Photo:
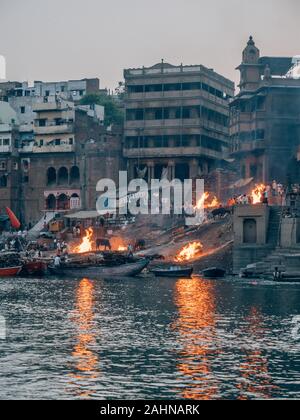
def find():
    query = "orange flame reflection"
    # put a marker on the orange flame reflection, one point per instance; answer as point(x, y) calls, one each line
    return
point(86, 361)
point(196, 325)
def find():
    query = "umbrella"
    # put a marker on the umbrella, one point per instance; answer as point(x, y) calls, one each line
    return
point(14, 221)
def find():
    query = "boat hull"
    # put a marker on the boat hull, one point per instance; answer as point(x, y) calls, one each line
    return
point(34, 268)
point(184, 273)
point(125, 270)
point(10, 271)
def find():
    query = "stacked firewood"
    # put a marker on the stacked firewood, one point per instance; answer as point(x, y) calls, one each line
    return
point(10, 259)
point(107, 259)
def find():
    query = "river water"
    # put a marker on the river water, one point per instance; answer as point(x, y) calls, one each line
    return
point(149, 338)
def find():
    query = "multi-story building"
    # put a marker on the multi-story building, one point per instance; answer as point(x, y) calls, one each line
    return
point(71, 151)
point(265, 118)
point(9, 162)
point(55, 170)
point(177, 120)
point(71, 89)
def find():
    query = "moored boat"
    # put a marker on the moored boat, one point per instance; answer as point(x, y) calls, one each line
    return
point(174, 272)
point(214, 273)
point(286, 277)
point(34, 268)
point(124, 270)
point(10, 271)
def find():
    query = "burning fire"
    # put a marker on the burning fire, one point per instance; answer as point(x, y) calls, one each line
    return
point(203, 202)
point(257, 193)
point(189, 252)
point(122, 248)
point(86, 244)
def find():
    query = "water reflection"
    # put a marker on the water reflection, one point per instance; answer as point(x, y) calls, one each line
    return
point(85, 358)
point(195, 300)
point(256, 381)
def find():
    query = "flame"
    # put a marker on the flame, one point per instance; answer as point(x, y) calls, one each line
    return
point(257, 193)
point(86, 244)
point(118, 244)
point(122, 248)
point(189, 252)
point(203, 202)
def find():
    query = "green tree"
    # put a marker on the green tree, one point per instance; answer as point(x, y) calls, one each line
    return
point(113, 112)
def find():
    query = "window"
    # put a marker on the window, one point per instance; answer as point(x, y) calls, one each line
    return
point(41, 143)
point(42, 123)
point(71, 141)
point(6, 142)
point(3, 166)
point(22, 109)
point(3, 181)
point(47, 93)
point(57, 142)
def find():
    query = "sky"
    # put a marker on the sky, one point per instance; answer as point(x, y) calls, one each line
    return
point(72, 39)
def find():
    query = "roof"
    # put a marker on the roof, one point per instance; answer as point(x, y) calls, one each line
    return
point(279, 66)
point(241, 183)
point(92, 214)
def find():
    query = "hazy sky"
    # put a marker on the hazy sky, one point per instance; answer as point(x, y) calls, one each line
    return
point(70, 39)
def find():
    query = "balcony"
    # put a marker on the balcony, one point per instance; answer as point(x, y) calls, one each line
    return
point(54, 129)
point(49, 106)
point(5, 149)
point(61, 148)
point(250, 146)
point(168, 152)
point(176, 123)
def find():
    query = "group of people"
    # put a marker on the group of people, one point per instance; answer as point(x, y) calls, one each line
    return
point(271, 193)
point(61, 247)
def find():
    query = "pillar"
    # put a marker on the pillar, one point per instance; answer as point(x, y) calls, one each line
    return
point(194, 168)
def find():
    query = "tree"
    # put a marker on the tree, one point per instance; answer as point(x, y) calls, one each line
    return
point(113, 113)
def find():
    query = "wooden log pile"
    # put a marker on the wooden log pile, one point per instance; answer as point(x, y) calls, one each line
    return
point(10, 259)
point(107, 259)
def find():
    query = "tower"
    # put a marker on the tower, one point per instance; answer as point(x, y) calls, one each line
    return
point(250, 68)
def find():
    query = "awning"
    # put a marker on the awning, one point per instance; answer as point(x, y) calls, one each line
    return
point(241, 183)
point(84, 215)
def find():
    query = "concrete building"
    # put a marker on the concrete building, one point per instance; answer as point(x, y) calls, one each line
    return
point(72, 89)
point(56, 169)
point(9, 162)
point(177, 120)
point(266, 237)
point(264, 118)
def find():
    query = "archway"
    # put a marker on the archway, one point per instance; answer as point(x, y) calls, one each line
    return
point(74, 201)
point(63, 202)
point(249, 231)
point(51, 176)
point(51, 202)
point(74, 175)
point(63, 176)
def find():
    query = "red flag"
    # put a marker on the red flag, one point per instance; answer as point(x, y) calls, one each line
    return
point(14, 221)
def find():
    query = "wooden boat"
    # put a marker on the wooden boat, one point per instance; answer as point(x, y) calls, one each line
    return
point(287, 277)
point(124, 270)
point(214, 273)
point(34, 268)
point(10, 271)
point(174, 272)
